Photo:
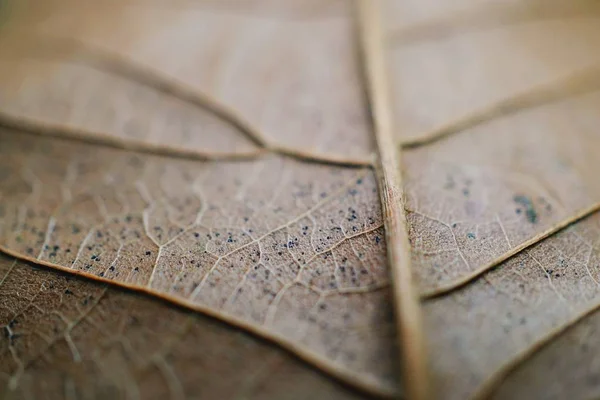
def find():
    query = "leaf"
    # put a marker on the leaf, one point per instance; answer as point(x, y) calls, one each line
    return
point(258, 242)
point(533, 296)
point(470, 207)
point(505, 165)
point(495, 118)
point(133, 113)
point(544, 374)
point(247, 61)
point(71, 336)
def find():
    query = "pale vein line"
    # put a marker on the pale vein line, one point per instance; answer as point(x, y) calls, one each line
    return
point(70, 326)
point(175, 388)
point(100, 58)
point(49, 231)
point(359, 381)
point(477, 273)
point(406, 301)
point(283, 226)
point(491, 16)
point(8, 272)
point(586, 80)
point(503, 231)
point(493, 382)
point(64, 132)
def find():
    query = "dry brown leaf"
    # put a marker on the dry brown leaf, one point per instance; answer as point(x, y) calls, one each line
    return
point(566, 368)
point(495, 108)
point(250, 60)
point(478, 194)
point(498, 321)
point(63, 92)
point(498, 108)
point(258, 242)
point(66, 337)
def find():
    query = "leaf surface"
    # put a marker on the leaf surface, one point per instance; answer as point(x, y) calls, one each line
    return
point(259, 241)
point(497, 109)
point(251, 60)
point(496, 116)
point(492, 322)
point(69, 336)
point(62, 90)
point(290, 249)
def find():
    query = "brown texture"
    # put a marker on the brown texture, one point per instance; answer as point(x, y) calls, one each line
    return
point(257, 242)
point(492, 323)
point(259, 205)
point(405, 295)
point(498, 105)
point(67, 337)
point(251, 60)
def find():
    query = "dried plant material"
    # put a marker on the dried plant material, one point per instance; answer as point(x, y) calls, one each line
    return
point(531, 170)
point(502, 194)
point(449, 77)
point(405, 294)
point(565, 366)
point(534, 295)
point(250, 63)
point(260, 243)
point(134, 112)
point(69, 336)
point(278, 226)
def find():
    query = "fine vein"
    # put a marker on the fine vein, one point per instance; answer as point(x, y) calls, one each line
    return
point(59, 131)
point(491, 16)
point(584, 81)
point(314, 358)
point(104, 60)
point(406, 302)
point(479, 272)
point(493, 382)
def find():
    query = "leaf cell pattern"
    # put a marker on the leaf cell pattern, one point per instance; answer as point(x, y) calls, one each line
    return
point(467, 207)
point(504, 175)
point(263, 244)
point(542, 289)
point(260, 241)
point(250, 60)
point(74, 338)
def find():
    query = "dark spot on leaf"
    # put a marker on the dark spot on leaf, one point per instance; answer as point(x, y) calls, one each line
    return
point(530, 211)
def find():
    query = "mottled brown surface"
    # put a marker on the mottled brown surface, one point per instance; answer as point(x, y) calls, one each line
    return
point(476, 195)
point(263, 242)
point(260, 241)
point(250, 57)
point(70, 338)
point(489, 322)
point(300, 255)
